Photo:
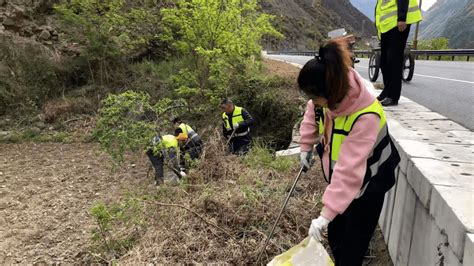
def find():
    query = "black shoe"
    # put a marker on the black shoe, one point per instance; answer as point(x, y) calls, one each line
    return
point(389, 102)
point(381, 98)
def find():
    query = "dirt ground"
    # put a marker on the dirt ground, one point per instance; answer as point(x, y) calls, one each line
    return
point(46, 191)
point(274, 67)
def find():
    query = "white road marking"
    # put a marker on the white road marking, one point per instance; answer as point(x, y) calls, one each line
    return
point(434, 77)
point(427, 76)
point(361, 66)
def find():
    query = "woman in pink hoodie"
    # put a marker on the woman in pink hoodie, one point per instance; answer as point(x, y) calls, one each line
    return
point(357, 153)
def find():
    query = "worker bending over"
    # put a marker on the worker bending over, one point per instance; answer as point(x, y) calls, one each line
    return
point(357, 153)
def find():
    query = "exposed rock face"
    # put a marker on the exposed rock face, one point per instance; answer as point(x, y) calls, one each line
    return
point(28, 19)
point(305, 23)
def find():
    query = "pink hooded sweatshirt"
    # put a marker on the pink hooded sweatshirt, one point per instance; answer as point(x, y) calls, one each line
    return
point(349, 171)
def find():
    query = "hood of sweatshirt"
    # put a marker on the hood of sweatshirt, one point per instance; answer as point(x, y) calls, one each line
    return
point(358, 97)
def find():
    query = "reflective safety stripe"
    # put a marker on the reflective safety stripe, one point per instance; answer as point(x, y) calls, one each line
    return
point(381, 151)
point(414, 14)
point(386, 15)
point(382, 134)
point(241, 134)
point(395, 13)
point(236, 118)
point(343, 125)
point(187, 130)
point(374, 168)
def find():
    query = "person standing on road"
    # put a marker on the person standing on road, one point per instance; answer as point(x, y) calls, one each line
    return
point(236, 122)
point(163, 150)
point(358, 156)
point(393, 19)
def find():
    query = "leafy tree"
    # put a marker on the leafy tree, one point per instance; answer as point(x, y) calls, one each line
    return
point(128, 121)
point(218, 38)
point(434, 44)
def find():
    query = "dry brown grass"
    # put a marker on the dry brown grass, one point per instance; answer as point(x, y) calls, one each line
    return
point(63, 107)
point(273, 67)
point(224, 212)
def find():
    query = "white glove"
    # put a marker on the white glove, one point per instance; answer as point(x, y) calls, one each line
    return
point(236, 126)
point(305, 159)
point(317, 226)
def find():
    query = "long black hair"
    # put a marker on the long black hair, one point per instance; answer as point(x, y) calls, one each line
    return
point(326, 75)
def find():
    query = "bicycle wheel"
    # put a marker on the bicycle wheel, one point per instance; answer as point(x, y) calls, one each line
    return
point(408, 68)
point(374, 67)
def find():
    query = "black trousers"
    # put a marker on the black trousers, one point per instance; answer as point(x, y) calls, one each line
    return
point(157, 163)
point(240, 145)
point(194, 148)
point(349, 234)
point(393, 45)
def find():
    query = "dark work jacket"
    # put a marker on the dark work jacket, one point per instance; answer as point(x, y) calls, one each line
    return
point(402, 6)
point(244, 125)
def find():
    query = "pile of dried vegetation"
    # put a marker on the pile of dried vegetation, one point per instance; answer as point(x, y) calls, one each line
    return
point(221, 213)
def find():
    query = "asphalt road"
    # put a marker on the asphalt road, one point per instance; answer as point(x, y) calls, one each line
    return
point(443, 86)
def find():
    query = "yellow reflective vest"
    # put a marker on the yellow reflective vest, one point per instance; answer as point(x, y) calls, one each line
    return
point(386, 15)
point(164, 144)
point(169, 141)
point(187, 132)
point(236, 118)
point(381, 152)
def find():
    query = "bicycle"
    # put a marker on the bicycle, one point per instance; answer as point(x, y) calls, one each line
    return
point(374, 61)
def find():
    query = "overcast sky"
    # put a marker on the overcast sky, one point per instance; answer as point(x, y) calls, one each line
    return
point(427, 4)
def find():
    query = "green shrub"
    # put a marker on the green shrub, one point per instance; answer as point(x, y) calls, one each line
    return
point(219, 39)
point(128, 121)
point(27, 71)
point(155, 78)
point(260, 157)
point(274, 104)
point(117, 226)
point(31, 74)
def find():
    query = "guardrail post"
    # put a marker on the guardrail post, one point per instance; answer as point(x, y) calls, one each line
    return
point(468, 58)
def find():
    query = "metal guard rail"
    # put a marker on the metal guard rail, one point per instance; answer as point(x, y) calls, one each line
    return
point(439, 53)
